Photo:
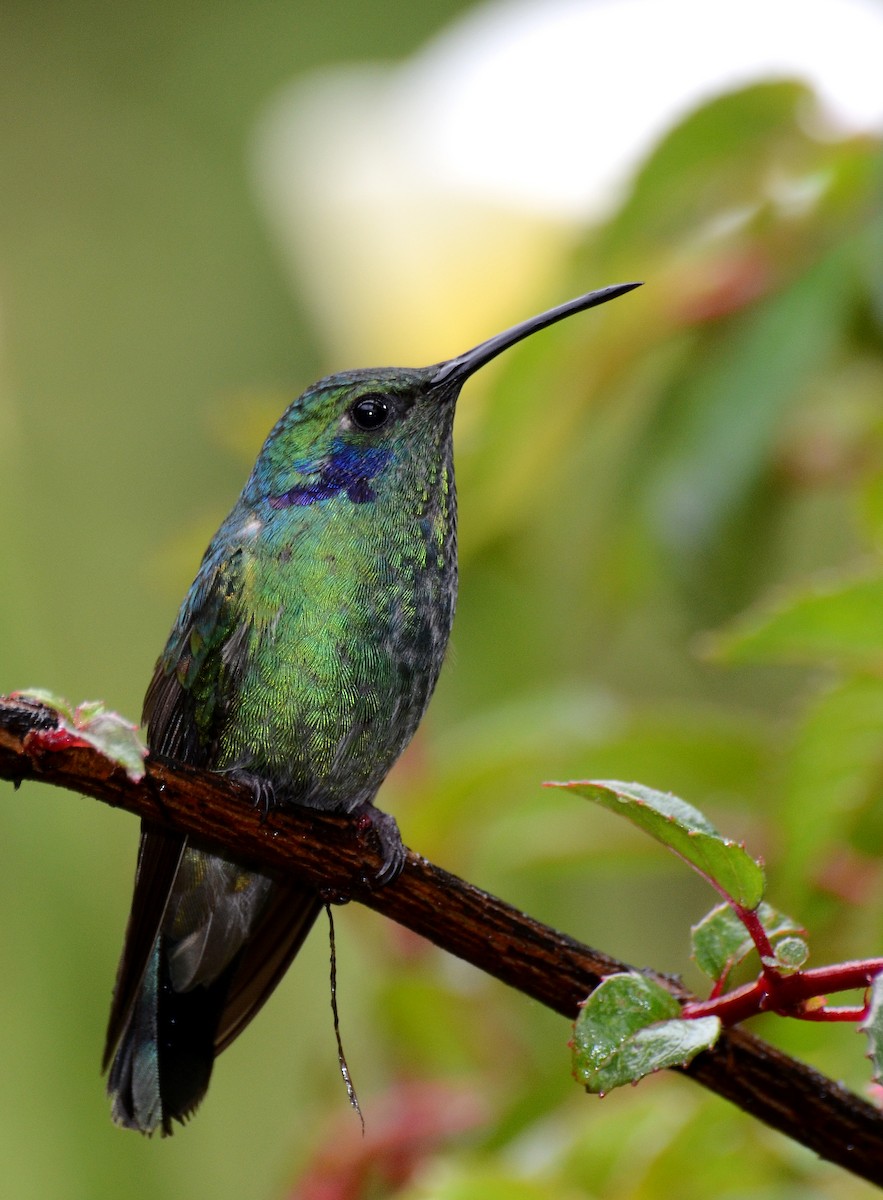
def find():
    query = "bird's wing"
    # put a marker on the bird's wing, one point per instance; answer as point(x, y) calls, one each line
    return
point(266, 957)
point(195, 679)
point(184, 711)
point(159, 855)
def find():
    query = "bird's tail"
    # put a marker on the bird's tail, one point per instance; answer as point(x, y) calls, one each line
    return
point(193, 977)
point(163, 1064)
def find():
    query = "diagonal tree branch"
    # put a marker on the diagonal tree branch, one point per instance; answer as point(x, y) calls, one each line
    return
point(509, 945)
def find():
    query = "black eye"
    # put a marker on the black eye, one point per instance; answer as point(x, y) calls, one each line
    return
point(370, 412)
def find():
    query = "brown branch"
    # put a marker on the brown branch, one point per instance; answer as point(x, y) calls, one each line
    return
point(538, 961)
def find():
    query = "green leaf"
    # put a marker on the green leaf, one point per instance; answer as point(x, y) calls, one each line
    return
point(117, 739)
point(43, 696)
point(832, 622)
point(629, 1027)
point(872, 1025)
point(791, 953)
point(684, 830)
point(108, 732)
point(720, 941)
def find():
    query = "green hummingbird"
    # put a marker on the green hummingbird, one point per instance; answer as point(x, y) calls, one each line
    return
point(301, 662)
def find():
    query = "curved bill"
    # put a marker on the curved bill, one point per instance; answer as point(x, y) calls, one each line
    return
point(460, 368)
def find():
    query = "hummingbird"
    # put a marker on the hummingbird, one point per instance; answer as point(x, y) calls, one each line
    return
point(301, 662)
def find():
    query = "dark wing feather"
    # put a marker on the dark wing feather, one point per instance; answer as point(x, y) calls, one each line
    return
point(266, 957)
point(159, 855)
point(188, 699)
point(184, 710)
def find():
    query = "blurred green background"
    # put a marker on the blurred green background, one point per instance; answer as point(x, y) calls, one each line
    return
point(671, 520)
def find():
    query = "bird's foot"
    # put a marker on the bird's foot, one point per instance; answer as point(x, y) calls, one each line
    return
point(383, 831)
point(262, 790)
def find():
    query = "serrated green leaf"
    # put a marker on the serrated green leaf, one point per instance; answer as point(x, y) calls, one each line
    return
point(720, 941)
point(50, 699)
point(110, 734)
point(831, 622)
point(117, 739)
point(87, 711)
point(668, 1044)
point(872, 1025)
point(684, 830)
point(629, 1027)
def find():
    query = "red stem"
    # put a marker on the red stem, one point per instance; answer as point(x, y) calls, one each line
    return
point(787, 994)
point(752, 922)
point(757, 933)
point(837, 1013)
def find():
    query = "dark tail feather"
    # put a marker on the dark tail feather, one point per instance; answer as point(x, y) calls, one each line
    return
point(163, 1061)
point(163, 1064)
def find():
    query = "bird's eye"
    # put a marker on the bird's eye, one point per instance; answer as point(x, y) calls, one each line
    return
point(370, 412)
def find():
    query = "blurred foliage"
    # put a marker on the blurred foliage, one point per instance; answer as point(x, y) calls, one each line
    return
point(630, 484)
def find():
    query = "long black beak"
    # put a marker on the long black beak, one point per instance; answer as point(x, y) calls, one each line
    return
point(455, 370)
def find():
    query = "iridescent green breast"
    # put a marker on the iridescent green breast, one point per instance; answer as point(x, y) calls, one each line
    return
point(349, 609)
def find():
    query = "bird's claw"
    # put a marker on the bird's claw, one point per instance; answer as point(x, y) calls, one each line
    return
point(384, 832)
point(263, 792)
